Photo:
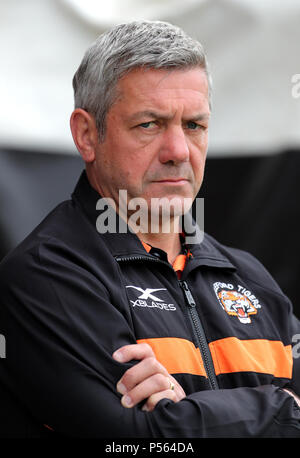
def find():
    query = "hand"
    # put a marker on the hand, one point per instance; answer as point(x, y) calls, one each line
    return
point(291, 393)
point(148, 379)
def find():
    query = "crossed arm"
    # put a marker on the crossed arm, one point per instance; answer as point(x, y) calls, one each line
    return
point(60, 367)
point(149, 380)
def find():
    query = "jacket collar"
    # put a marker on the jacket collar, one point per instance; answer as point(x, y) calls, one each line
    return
point(205, 252)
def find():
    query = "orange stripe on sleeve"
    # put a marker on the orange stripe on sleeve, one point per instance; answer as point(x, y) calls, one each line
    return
point(178, 356)
point(257, 355)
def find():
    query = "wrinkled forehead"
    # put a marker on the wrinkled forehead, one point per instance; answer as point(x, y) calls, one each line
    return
point(164, 90)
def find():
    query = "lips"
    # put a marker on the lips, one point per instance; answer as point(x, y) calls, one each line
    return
point(172, 180)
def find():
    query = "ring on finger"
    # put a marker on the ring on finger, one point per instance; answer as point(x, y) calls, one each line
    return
point(172, 386)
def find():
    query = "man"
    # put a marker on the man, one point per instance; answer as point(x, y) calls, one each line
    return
point(136, 332)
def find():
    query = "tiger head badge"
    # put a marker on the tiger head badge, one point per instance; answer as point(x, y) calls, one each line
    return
point(237, 301)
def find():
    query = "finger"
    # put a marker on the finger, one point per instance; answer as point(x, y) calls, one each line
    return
point(175, 395)
point(151, 385)
point(178, 388)
point(155, 398)
point(132, 351)
point(139, 372)
point(151, 388)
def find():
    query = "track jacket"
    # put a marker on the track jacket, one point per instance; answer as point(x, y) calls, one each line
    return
point(70, 297)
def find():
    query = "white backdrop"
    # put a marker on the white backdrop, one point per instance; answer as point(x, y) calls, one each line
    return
point(252, 46)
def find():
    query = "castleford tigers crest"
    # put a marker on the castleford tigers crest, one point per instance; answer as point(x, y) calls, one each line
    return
point(237, 301)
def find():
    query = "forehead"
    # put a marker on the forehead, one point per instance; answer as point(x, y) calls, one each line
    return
point(163, 89)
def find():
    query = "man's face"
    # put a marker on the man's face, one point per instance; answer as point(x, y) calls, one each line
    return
point(156, 136)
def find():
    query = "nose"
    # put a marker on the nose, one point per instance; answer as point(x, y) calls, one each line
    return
point(174, 148)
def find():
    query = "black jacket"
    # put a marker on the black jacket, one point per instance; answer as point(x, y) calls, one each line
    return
point(69, 297)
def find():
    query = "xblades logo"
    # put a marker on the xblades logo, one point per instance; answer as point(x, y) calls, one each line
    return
point(148, 293)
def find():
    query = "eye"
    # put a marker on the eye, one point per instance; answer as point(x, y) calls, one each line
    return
point(194, 126)
point(147, 125)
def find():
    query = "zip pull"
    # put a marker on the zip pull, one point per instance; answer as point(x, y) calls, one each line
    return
point(188, 294)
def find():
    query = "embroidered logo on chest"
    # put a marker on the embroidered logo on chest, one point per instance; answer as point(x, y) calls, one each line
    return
point(147, 298)
point(237, 301)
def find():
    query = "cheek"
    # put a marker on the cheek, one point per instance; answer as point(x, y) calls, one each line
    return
point(127, 170)
point(198, 158)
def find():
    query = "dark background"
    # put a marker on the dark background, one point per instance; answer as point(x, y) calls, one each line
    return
point(250, 203)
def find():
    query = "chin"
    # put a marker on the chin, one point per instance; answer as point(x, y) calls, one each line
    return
point(173, 205)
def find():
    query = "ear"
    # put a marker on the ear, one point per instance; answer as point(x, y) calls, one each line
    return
point(85, 134)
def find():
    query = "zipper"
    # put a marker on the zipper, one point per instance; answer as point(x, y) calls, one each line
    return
point(141, 258)
point(194, 317)
point(200, 336)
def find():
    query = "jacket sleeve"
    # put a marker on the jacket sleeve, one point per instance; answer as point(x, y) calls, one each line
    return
point(60, 335)
point(295, 341)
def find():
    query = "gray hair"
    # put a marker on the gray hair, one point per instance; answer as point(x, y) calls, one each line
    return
point(147, 44)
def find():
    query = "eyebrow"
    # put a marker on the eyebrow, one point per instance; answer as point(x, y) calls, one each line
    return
point(153, 115)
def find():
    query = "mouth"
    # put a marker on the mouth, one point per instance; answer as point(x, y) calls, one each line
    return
point(175, 181)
